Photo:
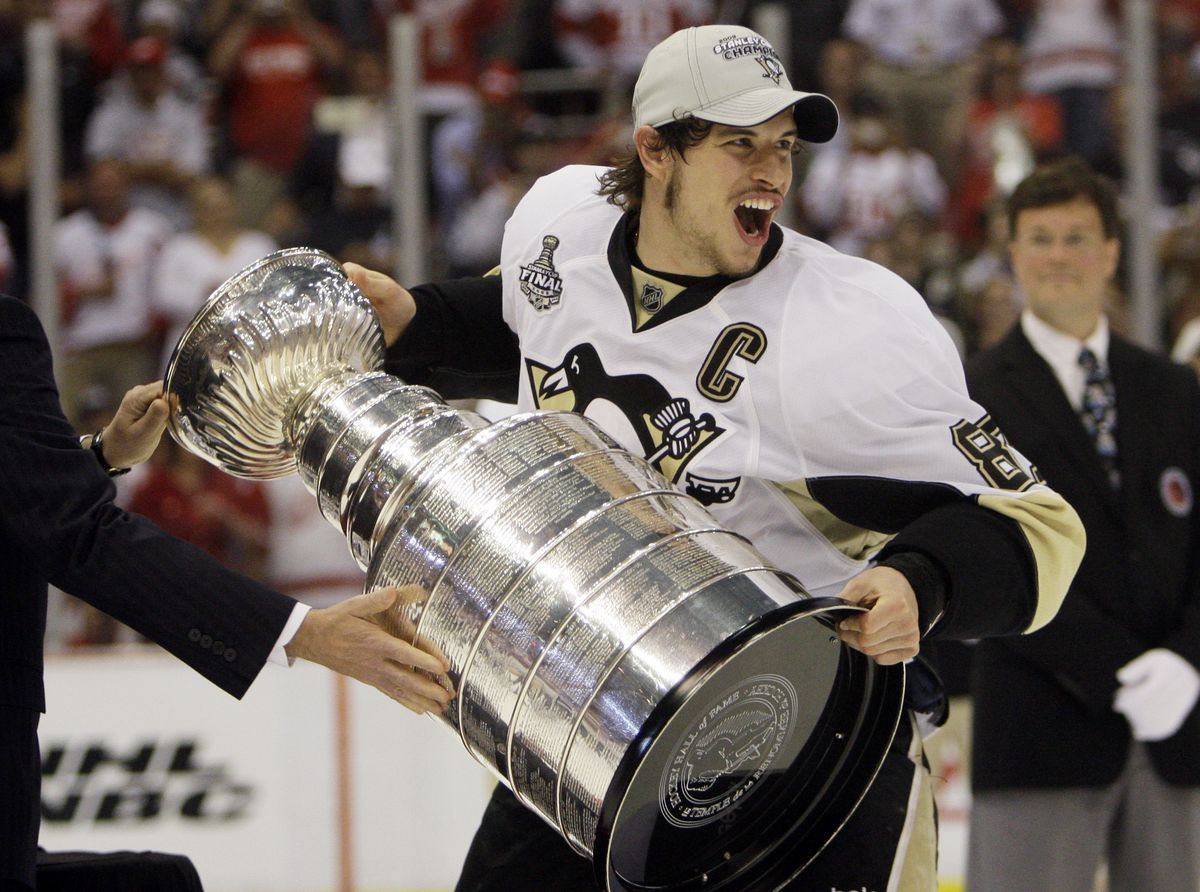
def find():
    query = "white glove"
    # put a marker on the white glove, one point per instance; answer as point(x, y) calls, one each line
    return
point(1158, 690)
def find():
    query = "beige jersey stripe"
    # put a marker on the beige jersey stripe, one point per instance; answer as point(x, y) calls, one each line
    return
point(1055, 534)
point(854, 542)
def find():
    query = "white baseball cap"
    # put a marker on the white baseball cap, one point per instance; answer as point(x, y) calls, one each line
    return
point(728, 75)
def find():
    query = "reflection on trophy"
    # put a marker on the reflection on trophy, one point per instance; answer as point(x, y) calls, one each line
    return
point(676, 708)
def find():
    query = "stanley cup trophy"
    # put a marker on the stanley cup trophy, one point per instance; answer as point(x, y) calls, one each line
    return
point(676, 708)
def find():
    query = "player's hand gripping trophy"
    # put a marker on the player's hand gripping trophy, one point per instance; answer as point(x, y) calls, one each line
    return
point(643, 679)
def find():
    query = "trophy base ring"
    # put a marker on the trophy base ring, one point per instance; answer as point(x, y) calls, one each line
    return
point(650, 837)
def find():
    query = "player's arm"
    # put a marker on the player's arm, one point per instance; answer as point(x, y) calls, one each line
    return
point(954, 566)
point(1088, 643)
point(972, 543)
point(986, 547)
point(1002, 575)
point(448, 335)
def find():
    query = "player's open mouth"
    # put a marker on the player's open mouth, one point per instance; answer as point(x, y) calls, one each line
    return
point(753, 216)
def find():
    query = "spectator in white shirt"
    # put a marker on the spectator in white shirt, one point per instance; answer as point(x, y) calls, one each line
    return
point(159, 135)
point(924, 65)
point(104, 255)
point(195, 262)
point(859, 195)
point(1072, 52)
point(613, 36)
point(164, 19)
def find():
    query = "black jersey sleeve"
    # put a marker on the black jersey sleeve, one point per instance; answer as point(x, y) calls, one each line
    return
point(972, 568)
point(987, 568)
point(458, 343)
point(929, 583)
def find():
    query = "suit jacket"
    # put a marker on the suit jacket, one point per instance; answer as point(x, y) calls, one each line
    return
point(58, 524)
point(1043, 702)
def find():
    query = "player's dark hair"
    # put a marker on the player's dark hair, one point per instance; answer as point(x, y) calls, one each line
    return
point(1063, 181)
point(624, 184)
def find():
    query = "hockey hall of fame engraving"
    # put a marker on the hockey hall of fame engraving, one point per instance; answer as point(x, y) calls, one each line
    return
point(720, 760)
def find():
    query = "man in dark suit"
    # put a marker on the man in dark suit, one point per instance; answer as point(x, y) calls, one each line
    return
point(58, 523)
point(1086, 736)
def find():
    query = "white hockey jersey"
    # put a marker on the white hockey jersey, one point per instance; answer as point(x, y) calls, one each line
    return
point(816, 406)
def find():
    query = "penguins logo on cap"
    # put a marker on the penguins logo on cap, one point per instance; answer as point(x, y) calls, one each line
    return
point(771, 67)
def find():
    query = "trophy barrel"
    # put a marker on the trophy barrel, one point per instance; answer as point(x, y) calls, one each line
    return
point(677, 709)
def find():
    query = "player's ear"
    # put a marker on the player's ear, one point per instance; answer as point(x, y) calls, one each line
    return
point(656, 158)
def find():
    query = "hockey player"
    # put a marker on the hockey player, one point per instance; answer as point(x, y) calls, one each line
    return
point(807, 397)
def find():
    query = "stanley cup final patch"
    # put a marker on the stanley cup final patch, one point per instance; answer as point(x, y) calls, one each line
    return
point(540, 281)
point(1175, 490)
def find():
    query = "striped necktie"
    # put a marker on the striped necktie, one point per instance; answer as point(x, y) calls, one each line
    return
point(1099, 413)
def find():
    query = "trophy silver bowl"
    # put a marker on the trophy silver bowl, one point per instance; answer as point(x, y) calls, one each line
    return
point(676, 708)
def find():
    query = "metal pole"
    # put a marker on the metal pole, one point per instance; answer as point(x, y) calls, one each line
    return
point(772, 21)
point(410, 213)
point(1141, 134)
point(41, 53)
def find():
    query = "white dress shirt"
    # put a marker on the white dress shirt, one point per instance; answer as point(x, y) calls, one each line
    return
point(923, 32)
point(278, 655)
point(1061, 352)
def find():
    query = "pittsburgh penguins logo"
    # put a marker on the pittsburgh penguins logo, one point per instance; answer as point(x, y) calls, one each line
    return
point(669, 433)
point(771, 66)
point(764, 54)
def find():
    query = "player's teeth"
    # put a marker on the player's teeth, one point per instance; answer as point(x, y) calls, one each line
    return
point(757, 204)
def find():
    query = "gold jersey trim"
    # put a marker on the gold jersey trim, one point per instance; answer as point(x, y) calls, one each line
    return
point(644, 283)
point(853, 541)
point(1057, 538)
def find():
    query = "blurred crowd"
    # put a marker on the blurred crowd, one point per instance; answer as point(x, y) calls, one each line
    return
point(200, 136)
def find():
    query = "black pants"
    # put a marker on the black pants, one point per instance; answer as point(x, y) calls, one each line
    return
point(514, 849)
point(20, 796)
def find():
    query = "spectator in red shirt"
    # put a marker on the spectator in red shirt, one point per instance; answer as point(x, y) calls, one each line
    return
point(1008, 132)
point(454, 37)
point(272, 60)
point(95, 27)
point(191, 499)
point(613, 36)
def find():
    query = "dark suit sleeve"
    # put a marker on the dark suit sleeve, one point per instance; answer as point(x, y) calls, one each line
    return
point(458, 343)
point(1185, 638)
point(1082, 648)
point(59, 523)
